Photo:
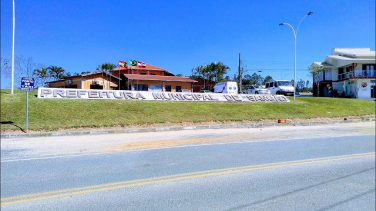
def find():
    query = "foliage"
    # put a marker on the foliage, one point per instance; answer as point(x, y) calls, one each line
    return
point(56, 72)
point(255, 79)
point(54, 114)
point(108, 67)
point(214, 72)
point(316, 71)
point(267, 79)
point(23, 67)
point(42, 73)
point(26, 67)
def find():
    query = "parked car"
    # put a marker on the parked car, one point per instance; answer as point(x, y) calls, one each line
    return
point(255, 89)
point(205, 91)
point(280, 87)
point(228, 87)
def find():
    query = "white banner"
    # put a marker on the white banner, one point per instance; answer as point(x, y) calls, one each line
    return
point(60, 93)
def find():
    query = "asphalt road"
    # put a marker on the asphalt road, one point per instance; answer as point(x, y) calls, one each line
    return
point(297, 168)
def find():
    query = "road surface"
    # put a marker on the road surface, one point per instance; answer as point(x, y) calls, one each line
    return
point(329, 167)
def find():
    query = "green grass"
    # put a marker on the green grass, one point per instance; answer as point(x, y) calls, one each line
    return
point(54, 114)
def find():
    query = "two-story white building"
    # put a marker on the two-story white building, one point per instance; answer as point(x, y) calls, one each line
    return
point(348, 72)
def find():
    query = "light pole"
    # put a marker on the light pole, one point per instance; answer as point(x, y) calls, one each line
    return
point(14, 26)
point(295, 34)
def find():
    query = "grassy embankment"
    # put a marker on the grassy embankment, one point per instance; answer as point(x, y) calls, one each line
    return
point(53, 114)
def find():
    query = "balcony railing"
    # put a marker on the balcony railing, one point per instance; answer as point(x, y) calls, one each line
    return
point(358, 74)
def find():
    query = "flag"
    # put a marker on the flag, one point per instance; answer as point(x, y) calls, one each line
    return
point(122, 64)
point(141, 64)
point(132, 63)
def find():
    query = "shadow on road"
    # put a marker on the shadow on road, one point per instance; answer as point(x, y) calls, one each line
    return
point(308, 187)
point(12, 123)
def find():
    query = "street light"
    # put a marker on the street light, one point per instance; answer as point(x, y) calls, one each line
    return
point(295, 34)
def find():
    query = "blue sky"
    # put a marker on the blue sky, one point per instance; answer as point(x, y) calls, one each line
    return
point(79, 35)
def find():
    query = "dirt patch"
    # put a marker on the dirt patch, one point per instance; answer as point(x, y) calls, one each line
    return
point(254, 134)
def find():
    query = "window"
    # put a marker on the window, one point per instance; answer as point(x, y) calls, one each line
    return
point(96, 86)
point(153, 74)
point(267, 85)
point(368, 67)
point(157, 88)
point(141, 87)
point(72, 86)
point(284, 83)
point(142, 73)
point(328, 74)
point(178, 88)
point(168, 88)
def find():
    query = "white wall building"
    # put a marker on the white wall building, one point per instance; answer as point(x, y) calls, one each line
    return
point(350, 72)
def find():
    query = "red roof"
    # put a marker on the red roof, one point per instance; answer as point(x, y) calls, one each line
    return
point(158, 78)
point(147, 67)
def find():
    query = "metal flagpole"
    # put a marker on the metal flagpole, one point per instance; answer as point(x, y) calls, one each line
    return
point(14, 26)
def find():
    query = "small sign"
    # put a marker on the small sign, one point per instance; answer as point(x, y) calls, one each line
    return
point(27, 84)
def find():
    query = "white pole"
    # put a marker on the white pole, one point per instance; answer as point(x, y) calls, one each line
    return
point(295, 34)
point(295, 69)
point(14, 26)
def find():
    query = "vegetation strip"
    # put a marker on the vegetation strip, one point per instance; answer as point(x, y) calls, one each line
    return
point(60, 114)
point(171, 178)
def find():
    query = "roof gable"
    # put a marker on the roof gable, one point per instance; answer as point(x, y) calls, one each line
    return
point(146, 67)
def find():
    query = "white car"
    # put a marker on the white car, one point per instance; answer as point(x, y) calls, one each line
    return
point(280, 87)
point(256, 89)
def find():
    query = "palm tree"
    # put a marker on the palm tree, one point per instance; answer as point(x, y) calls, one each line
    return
point(56, 72)
point(108, 67)
point(210, 70)
point(200, 70)
point(42, 74)
point(220, 70)
point(215, 71)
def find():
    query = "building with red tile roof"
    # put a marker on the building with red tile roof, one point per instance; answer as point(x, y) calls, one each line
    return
point(143, 77)
point(152, 78)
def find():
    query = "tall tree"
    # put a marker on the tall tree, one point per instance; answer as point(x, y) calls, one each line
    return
point(267, 79)
point(23, 67)
point(200, 71)
point(247, 80)
point(256, 79)
point(42, 73)
point(56, 72)
point(220, 71)
point(107, 67)
point(215, 71)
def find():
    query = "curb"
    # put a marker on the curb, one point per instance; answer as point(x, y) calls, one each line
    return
point(179, 128)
